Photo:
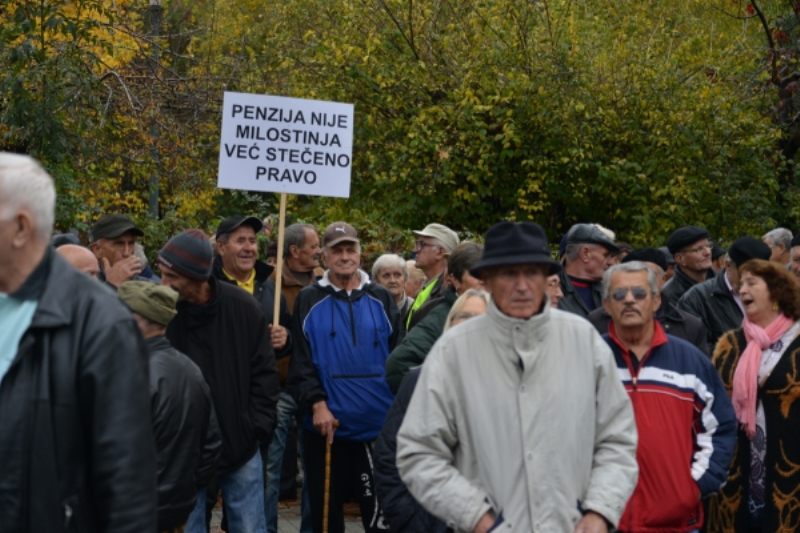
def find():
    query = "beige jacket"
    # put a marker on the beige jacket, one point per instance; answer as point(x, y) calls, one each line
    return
point(527, 417)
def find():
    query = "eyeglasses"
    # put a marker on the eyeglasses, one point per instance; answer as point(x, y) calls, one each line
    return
point(639, 294)
point(419, 245)
point(698, 249)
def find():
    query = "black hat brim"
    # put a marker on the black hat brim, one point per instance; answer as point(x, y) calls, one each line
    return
point(253, 222)
point(512, 260)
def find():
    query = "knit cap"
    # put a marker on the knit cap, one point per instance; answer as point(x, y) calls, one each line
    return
point(189, 254)
point(152, 301)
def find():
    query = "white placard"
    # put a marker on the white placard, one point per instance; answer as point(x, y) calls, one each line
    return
point(285, 145)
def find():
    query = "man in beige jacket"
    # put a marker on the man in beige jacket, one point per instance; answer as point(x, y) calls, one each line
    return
point(519, 422)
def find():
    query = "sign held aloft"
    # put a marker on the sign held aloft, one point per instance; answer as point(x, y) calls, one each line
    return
point(285, 145)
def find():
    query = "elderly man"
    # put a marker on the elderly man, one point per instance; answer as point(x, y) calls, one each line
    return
point(113, 242)
point(588, 253)
point(691, 250)
point(779, 241)
point(519, 421)
point(432, 247)
point(223, 330)
point(416, 279)
point(684, 418)
point(417, 343)
point(301, 254)
point(344, 328)
point(80, 258)
point(674, 321)
point(185, 426)
point(76, 442)
point(716, 301)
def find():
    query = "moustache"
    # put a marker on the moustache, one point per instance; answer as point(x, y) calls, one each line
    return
point(631, 308)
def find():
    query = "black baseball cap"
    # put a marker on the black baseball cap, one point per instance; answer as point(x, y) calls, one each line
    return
point(112, 226)
point(231, 224)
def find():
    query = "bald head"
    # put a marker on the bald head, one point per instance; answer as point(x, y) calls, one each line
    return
point(79, 257)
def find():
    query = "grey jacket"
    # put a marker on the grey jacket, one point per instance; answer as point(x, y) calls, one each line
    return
point(524, 416)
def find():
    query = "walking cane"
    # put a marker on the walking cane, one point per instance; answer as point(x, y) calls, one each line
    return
point(327, 481)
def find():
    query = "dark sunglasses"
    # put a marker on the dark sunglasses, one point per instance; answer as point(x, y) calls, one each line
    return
point(638, 293)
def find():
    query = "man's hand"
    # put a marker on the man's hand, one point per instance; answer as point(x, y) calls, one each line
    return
point(278, 335)
point(122, 271)
point(592, 523)
point(484, 524)
point(324, 422)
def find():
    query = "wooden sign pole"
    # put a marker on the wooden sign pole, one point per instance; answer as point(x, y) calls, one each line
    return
point(279, 262)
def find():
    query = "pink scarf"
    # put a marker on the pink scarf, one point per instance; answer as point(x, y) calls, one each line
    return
point(745, 378)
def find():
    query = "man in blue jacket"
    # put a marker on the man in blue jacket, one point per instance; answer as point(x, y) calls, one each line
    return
point(345, 326)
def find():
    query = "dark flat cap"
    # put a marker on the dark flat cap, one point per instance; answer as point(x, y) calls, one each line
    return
point(647, 255)
point(667, 255)
point(683, 237)
point(717, 251)
point(744, 249)
point(591, 234)
point(112, 226)
point(515, 243)
point(231, 224)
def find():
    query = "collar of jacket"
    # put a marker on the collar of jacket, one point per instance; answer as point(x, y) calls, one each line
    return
point(685, 281)
point(290, 281)
point(524, 334)
point(325, 283)
point(659, 339)
point(157, 343)
point(719, 287)
point(206, 310)
point(52, 310)
point(263, 271)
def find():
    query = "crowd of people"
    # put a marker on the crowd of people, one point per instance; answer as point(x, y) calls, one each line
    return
point(475, 388)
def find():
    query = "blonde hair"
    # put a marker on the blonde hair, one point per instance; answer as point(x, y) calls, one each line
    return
point(459, 304)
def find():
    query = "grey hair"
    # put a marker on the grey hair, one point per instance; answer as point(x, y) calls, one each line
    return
point(24, 184)
point(388, 261)
point(779, 236)
point(630, 266)
point(138, 251)
point(295, 235)
point(572, 250)
point(459, 304)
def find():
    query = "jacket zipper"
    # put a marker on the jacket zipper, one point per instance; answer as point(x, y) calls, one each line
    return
point(352, 320)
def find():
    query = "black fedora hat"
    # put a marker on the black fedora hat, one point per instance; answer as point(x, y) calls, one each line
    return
point(515, 243)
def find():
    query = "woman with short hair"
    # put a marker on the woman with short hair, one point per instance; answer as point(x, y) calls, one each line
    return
point(760, 366)
point(390, 271)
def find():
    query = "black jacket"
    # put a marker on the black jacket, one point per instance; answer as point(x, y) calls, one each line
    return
point(227, 337)
point(76, 440)
point(185, 428)
point(713, 303)
point(674, 321)
point(264, 293)
point(679, 284)
point(400, 510)
point(572, 301)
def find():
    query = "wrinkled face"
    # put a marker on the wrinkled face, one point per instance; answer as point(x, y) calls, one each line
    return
point(630, 301)
point(756, 299)
point(696, 257)
point(428, 253)
point(517, 290)
point(796, 261)
point(343, 259)
point(188, 289)
point(393, 279)
point(115, 249)
point(597, 260)
point(474, 306)
point(239, 254)
point(554, 290)
point(308, 255)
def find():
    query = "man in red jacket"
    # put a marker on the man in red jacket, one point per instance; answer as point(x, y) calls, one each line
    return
point(686, 424)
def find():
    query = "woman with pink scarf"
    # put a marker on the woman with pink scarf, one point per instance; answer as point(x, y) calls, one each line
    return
point(760, 366)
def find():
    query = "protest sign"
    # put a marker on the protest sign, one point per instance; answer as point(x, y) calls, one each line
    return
point(285, 145)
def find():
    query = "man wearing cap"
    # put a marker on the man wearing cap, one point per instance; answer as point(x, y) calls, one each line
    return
point(588, 253)
point(691, 250)
point(676, 322)
point(223, 330)
point(76, 441)
point(796, 255)
point(519, 421)
point(779, 241)
point(345, 326)
point(684, 417)
point(432, 248)
point(113, 240)
point(184, 423)
point(717, 257)
point(716, 301)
